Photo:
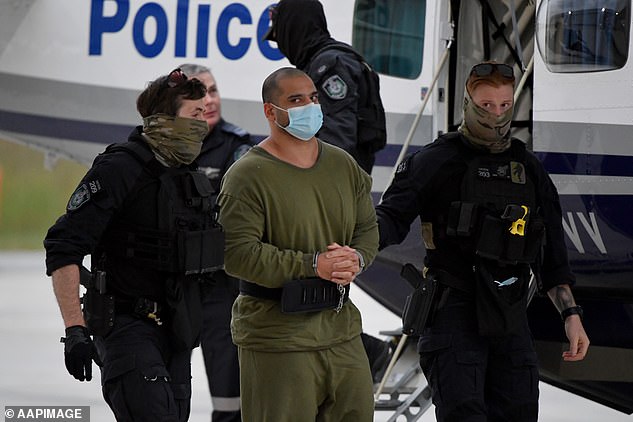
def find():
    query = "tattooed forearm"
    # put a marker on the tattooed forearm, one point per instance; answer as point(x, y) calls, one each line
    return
point(562, 297)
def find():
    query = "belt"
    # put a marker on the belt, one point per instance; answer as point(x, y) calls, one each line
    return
point(140, 307)
point(251, 289)
point(447, 279)
point(305, 295)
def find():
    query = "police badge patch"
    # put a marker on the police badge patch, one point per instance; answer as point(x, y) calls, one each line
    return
point(83, 194)
point(335, 87)
point(517, 172)
point(78, 198)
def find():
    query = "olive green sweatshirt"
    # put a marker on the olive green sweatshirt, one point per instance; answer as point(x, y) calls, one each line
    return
point(276, 217)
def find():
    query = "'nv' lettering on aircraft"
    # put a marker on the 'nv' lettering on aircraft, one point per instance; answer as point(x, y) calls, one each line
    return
point(590, 226)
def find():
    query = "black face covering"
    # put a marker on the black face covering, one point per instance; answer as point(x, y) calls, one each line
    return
point(301, 30)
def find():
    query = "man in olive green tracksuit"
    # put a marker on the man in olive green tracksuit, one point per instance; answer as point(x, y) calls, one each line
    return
point(297, 208)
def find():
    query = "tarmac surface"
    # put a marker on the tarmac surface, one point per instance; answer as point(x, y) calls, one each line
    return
point(32, 371)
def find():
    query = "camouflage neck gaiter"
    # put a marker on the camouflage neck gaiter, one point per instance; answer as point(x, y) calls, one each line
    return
point(483, 129)
point(174, 140)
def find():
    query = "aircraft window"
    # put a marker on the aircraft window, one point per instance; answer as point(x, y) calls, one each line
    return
point(390, 35)
point(583, 35)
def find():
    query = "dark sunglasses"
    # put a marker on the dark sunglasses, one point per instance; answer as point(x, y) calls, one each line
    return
point(486, 69)
point(176, 78)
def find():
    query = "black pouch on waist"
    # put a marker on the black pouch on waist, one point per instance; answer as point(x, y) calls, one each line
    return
point(311, 295)
point(421, 304)
point(98, 306)
point(501, 297)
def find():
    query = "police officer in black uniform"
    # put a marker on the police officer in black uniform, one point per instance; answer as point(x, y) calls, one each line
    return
point(224, 144)
point(487, 208)
point(145, 215)
point(300, 29)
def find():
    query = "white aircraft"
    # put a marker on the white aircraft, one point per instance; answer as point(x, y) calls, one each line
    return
point(70, 72)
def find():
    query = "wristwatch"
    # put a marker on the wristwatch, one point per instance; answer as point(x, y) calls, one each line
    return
point(574, 310)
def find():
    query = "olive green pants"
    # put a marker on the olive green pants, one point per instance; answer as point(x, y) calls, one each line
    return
point(329, 385)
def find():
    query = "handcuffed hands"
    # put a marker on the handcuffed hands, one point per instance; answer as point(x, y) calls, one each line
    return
point(339, 264)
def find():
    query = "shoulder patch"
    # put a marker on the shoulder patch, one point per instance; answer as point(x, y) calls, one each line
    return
point(239, 151)
point(78, 198)
point(335, 87)
point(402, 167)
point(83, 194)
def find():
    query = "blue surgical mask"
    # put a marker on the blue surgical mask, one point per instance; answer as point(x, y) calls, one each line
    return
point(305, 121)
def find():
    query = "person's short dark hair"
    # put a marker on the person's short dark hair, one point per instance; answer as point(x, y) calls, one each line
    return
point(270, 87)
point(164, 95)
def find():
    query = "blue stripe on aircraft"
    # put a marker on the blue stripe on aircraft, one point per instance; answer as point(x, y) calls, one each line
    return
point(105, 133)
point(389, 154)
point(54, 127)
point(587, 164)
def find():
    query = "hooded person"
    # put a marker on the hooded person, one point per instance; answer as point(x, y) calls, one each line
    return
point(490, 214)
point(354, 118)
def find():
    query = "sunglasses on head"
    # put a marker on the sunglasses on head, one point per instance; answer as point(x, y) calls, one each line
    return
point(486, 69)
point(175, 78)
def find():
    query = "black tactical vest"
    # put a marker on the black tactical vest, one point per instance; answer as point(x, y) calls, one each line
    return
point(498, 209)
point(187, 239)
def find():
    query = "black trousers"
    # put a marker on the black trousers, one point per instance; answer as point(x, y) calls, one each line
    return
point(476, 378)
point(220, 354)
point(142, 378)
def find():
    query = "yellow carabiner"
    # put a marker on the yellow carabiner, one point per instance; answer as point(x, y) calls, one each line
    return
point(518, 226)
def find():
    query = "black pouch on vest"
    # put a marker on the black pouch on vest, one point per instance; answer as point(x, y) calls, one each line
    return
point(491, 238)
point(497, 243)
point(202, 251)
point(184, 303)
point(420, 305)
point(461, 218)
point(535, 239)
point(311, 295)
point(501, 297)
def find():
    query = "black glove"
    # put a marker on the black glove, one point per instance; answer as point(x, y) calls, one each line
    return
point(79, 352)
